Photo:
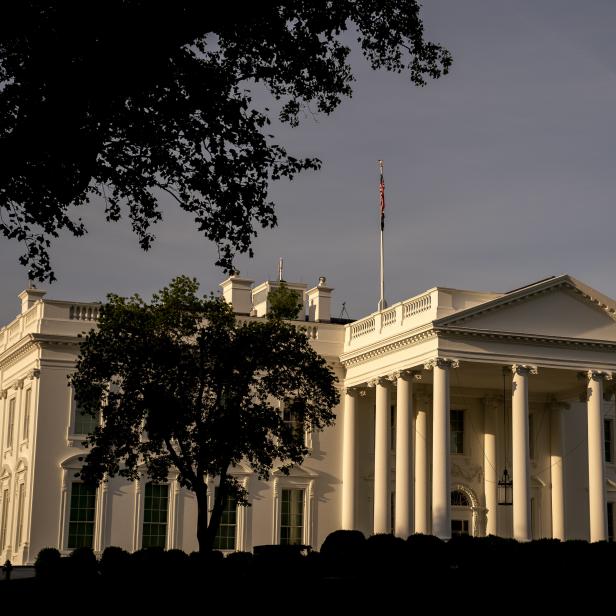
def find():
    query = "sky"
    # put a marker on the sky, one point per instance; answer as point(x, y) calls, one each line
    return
point(498, 174)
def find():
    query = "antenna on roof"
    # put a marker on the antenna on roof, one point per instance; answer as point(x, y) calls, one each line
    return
point(344, 311)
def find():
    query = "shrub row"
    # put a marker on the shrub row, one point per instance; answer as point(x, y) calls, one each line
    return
point(348, 555)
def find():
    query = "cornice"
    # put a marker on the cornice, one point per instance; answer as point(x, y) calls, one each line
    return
point(413, 337)
point(524, 338)
point(17, 351)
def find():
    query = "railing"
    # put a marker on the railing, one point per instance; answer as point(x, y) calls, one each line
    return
point(312, 331)
point(15, 329)
point(362, 328)
point(83, 312)
point(415, 306)
point(389, 317)
point(31, 315)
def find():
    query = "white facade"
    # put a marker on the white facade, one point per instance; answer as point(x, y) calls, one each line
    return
point(422, 435)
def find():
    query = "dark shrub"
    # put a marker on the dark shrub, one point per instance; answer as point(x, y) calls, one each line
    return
point(47, 565)
point(343, 544)
point(82, 563)
point(115, 563)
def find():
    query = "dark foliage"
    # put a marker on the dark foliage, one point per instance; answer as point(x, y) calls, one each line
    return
point(126, 100)
point(47, 563)
point(284, 303)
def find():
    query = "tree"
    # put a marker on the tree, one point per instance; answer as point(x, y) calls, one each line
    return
point(284, 303)
point(124, 100)
point(183, 385)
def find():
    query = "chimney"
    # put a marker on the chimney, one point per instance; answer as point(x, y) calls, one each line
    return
point(29, 297)
point(320, 302)
point(237, 292)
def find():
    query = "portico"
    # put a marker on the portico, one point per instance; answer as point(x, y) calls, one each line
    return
point(431, 371)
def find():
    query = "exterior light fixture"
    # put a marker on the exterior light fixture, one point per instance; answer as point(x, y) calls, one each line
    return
point(505, 484)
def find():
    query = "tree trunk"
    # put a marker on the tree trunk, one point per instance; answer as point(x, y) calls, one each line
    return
point(205, 543)
point(219, 501)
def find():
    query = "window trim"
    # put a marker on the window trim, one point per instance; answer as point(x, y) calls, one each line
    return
point(242, 519)
point(69, 468)
point(9, 435)
point(464, 451)
point(172, 540)
point(291, 482)
point(74, 439)
point(609, 421)
point(26, 420)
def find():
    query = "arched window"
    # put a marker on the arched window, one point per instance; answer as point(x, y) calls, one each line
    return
point(459, 499)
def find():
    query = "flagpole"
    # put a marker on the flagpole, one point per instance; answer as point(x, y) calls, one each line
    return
point(382, 302)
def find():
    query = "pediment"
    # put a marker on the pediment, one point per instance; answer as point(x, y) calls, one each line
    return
point(563, 309)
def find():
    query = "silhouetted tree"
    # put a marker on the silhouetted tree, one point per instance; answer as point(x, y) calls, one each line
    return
point(182, 384)
point(284, 303)
point(125, 100)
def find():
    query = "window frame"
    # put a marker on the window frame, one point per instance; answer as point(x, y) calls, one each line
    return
point(243, 514)
point(228, 498)
point(152, 484)
point(173, 524)
point(464, 451)
point(290, 482)
point(70, 468)
point(77, 521)
point(608, 443)
point(10, 423)
point(25, 424)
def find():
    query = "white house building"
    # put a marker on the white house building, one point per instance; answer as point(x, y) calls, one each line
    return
point(440, 394)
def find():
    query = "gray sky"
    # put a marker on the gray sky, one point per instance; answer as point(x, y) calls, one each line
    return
point(497, 175)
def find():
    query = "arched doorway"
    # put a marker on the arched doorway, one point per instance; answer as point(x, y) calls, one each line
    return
point(461, 513)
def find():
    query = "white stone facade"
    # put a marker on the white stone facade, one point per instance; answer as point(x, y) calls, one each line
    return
point(422, 417)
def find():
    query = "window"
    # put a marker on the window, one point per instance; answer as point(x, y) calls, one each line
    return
point(294, 422)
point(392, 511)
point(292, 517)
point(5, 518)
point(11, 423)
point(531, 436)
point(459, 499)
point(225, 539)
point(457, 431)
point(608, 435)
point(610, 521)
point(81, 521)
point(20, 513)
point(84, 423)
point(155, 515)
point(26, 425)
point(459, 527)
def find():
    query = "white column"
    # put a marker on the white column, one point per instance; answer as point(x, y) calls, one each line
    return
point(490, 474)
point(381, 458)
point(441, 492)
point(349, 460)
point(596, 459)
point(404, 455)
point(422, 524)
point(557, 472)
point(520, 447)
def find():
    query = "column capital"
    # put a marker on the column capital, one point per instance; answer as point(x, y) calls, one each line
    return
point(524, 369)
point(379, 380)
point(356, 390)
point(441, 362)
point(408, 375)
point(596, 375)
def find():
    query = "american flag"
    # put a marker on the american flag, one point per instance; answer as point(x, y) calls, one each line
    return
point(382, 196)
